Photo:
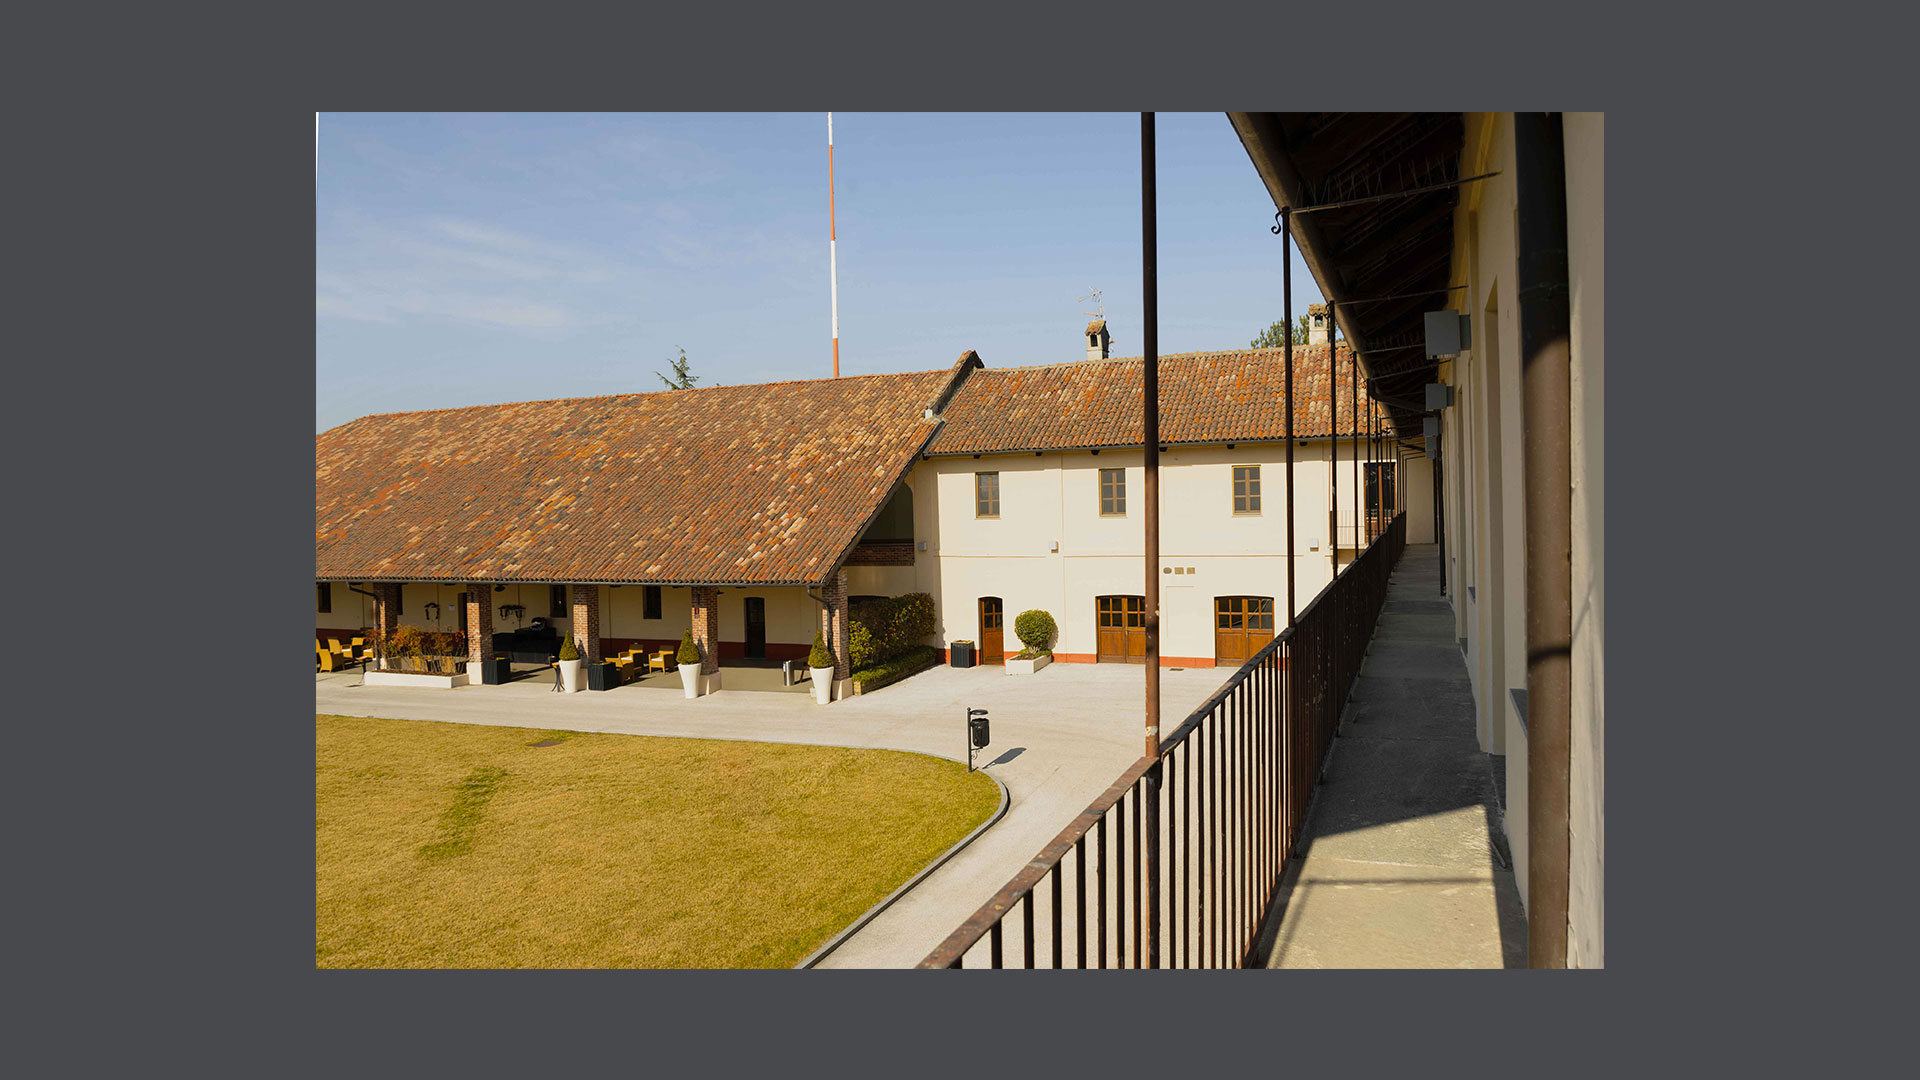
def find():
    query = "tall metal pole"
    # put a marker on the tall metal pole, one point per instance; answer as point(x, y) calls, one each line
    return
point(1286, 286)
point(1150, 305)
point(1540, 195)
point(833, 250)
point(1353, 424)
point(1333, 425)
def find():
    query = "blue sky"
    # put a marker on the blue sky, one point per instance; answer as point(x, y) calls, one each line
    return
point(463, 259)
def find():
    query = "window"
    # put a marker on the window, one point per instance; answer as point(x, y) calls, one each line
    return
point(399, 599)
point(986, 494)
point(1379, 488)
point(1246, 489)
point(326, 596)
point(1113, 492)
point(652, 593)
point(460, 609)
point(559, 602)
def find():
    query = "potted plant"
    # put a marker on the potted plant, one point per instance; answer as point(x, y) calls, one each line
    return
point(569, 665)
point(1036, 630)
point(689, 660)
point(820, 667)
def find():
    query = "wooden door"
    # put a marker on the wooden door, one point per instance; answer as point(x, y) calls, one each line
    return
point(992, 631)
point(756, 627)
point(1241, 625)
point(1122, 629)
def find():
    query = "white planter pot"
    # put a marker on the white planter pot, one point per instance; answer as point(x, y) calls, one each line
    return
point(822, 684)
point(690, 679)
point(570, 675)
point(1016, 666)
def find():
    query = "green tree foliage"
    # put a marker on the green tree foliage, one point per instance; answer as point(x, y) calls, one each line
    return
point(1275, 336)
point(689, 653)
point(682, 378)
point(879, 630)
point(818, 656)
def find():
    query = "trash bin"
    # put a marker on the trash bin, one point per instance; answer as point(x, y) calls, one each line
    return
point(496, 671)
point(961, 653)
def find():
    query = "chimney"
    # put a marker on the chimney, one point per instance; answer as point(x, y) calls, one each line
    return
point(1098, 343)
point(1317, 326)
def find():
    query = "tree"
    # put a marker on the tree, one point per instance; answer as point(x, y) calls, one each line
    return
point(682, 379)
point(1271, 337)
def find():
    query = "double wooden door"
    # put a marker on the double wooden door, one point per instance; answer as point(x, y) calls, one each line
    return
point(1122, 624)
point(1241, 625)
point(992, 631)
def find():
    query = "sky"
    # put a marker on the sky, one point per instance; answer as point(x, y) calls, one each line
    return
point(466, 259)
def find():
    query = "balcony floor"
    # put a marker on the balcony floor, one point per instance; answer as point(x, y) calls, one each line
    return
point(1405, 866)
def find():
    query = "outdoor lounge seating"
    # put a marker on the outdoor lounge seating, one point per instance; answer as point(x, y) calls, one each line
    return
point(658, 661)
point(330, 660)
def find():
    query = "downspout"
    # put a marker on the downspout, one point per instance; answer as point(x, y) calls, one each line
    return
point(1540, 194)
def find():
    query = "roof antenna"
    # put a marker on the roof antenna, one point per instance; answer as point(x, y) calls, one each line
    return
point(1099, 308)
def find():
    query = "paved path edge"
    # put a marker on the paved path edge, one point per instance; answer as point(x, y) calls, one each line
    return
point(1006, 800)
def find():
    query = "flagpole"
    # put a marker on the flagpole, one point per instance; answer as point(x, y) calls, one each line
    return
point(833, 252)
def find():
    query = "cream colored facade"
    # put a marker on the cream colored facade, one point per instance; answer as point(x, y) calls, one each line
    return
point(1483, 494)
point(1051, 548)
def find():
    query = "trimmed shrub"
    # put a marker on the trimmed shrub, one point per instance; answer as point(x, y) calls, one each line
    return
point(689, 652)
point(1035, 629)
point(569, 651)
point(818, 656)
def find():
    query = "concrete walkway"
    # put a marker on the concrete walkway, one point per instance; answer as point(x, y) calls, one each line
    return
point(1059, 738)
point(1404, 867)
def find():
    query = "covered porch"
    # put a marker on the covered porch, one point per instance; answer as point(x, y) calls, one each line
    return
point(749, 637)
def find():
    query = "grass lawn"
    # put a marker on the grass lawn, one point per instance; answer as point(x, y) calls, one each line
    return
point(459, 846)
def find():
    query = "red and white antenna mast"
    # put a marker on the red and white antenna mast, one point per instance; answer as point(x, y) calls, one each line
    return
point(833, 254)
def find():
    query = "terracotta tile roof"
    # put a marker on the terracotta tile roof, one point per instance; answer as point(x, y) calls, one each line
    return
point(1204, 397)
point(766, 483)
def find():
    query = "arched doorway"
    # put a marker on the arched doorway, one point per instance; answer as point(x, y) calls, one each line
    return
point(992, 631)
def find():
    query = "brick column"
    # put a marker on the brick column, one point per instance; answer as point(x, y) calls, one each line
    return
point(706, 627)
point(834, 628)
point(386, 613)
point(586, 621)
point(479, 622)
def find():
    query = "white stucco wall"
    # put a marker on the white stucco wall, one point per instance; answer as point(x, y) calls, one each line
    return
point(1055, 497)
point(1483, 493)
point(1586, 263)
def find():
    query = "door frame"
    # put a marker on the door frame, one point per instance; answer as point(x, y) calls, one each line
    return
point(747, 604)
point(998, 654)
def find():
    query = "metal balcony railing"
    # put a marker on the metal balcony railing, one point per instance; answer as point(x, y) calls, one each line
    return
point(1176, 863)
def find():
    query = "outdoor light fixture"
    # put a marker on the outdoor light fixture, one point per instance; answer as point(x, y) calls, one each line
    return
point(499, 588)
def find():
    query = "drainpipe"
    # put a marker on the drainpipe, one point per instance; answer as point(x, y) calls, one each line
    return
point(1540, 193)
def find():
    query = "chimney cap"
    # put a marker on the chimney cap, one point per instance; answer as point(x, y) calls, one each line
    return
point(1096, 326)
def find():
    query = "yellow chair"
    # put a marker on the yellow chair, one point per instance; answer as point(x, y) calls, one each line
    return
point(658, 661)
point(329, 661)
point(360, 649)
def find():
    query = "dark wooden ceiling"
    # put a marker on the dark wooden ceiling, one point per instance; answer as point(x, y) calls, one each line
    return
point(1400, 246)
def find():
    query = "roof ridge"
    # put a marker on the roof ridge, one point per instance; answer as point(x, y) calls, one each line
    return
point(1277, 350)
point(637, 393)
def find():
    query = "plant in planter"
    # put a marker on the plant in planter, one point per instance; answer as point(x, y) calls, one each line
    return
point(820, 667)
point(689, 660)
point(1036, 631)
point(569, 664)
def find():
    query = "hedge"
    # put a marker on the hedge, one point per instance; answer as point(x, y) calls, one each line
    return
point(1035, 629)
point(909, 661)
point(881, 630)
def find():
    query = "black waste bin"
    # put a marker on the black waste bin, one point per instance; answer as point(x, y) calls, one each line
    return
point(496, 671)
point(961, 653)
